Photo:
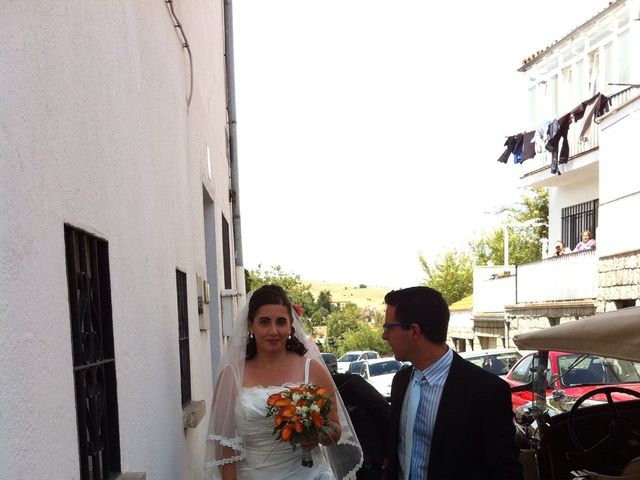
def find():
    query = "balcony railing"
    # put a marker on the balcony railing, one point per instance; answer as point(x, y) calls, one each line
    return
point(568, 277)
point(576, 147)
point(493, 288)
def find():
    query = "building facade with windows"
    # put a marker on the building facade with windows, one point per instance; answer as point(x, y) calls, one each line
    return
point(120, 245)
point(588, 81)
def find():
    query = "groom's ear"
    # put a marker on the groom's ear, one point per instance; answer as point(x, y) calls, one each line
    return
point(416, 331)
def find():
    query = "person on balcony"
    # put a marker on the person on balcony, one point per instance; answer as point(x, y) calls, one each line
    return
point(587, 243)
point(561, 249)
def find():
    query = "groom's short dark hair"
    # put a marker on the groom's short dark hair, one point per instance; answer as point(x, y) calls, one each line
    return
point(424, 306)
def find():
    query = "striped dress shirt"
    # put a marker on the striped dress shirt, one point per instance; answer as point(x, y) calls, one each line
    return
point(416, 429)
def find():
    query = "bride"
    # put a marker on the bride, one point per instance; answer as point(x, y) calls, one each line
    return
point(267, 353)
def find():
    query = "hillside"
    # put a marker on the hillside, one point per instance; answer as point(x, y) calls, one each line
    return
point(369, 297)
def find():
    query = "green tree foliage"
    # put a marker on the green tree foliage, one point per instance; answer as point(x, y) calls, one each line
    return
point(451, 275)
point(528, 222)
point(344, 320)
point(298, 291)
point(324, 301)
point(364, 337)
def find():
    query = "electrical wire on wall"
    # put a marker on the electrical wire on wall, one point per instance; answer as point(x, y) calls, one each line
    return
point(185, 44)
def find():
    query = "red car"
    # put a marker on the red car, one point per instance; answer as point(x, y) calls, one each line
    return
point(571, 375)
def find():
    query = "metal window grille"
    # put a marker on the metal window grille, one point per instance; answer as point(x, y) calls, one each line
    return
point(578, 218)
point(94, 368)
point(226, 251)
point(183, 337)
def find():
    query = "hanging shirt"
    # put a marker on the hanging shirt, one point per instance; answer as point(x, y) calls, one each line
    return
point(528, 145)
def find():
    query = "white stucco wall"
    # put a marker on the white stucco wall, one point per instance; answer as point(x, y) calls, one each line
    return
point(619, 181)
point(95, 132)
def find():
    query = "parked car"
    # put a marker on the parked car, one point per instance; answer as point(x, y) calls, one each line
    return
point(571, 375)
point(331, 361)
point(378, 372)
point(354, 356)
point(497, 361)
point(590, 424)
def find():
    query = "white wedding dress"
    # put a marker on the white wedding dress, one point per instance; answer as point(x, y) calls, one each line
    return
point(266, 456)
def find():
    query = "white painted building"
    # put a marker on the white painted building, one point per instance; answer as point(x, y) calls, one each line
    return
point(598, 187)
point(116, 181)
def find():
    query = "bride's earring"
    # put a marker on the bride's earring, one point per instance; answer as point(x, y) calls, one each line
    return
point(289, 335)
point(251, 335)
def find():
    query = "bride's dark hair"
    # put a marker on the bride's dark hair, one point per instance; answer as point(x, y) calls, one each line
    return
point(272, 295)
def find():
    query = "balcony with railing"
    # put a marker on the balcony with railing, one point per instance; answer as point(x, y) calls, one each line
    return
point(566, 278)
point(582, 154)
point(493, 288)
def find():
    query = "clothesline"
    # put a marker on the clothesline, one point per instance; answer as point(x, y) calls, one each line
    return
point(551, 135)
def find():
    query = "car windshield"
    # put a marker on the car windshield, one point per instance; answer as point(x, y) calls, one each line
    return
point(498, 363)
point(348, 357)
point(576, 369)
point(382, 368)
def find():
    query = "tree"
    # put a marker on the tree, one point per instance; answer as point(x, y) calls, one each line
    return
point(324, 300)
point(365, 337)
point(342, 321)
point(297, 291)
point(451, 275)
point(529, 224)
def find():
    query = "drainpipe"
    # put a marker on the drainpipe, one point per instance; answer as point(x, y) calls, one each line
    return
point(233, 149)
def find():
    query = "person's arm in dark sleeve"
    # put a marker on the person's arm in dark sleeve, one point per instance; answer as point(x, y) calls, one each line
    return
point(498, 433)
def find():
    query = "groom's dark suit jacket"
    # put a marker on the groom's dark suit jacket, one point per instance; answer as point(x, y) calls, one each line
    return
point(474, 435)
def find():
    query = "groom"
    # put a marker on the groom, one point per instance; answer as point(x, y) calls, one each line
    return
point(449, 418)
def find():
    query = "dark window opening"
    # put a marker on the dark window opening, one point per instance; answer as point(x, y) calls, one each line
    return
point(183, 337)
point(94, 367)
point(578, 218)
point(626, 303)
point(226, 252)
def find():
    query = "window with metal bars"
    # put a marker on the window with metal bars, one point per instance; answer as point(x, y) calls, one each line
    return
point(94, 367)
point(183, 337)
point(578, 218)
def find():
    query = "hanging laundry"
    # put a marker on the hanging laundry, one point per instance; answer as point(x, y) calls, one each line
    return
point(510, 143)
point(517, 149)
point(599, 107)
point(558, 131)
point(541, 136)
point(528, 145)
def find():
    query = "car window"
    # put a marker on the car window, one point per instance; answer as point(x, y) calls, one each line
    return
point(356, 367)
point(522, 371)
point(578, 369)
point(348, 357)
point(383, 368)
point(509, 359)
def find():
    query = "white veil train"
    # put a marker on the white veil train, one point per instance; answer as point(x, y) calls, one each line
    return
point(344, 457)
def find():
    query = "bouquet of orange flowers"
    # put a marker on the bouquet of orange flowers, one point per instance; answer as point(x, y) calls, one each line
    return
point(300, 413)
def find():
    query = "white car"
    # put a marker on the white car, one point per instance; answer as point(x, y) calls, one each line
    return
point(354, 356)
point(379, 373)
point(498, 361)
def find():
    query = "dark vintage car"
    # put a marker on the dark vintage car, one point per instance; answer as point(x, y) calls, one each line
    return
point(331, 361)
point(594, 435)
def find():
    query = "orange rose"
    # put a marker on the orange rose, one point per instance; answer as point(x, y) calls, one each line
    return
point(316, 419)
point(282, 402)
point(288, 412)
point(321, 401)
point(279, 419)
point(299, 427)
point(271, 401)
point(286, 432)
point(321, 391)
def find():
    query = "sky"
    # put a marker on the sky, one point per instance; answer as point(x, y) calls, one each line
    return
point(368, 130)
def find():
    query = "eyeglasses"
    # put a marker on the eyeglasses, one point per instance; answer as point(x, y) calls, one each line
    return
point(388, 326)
